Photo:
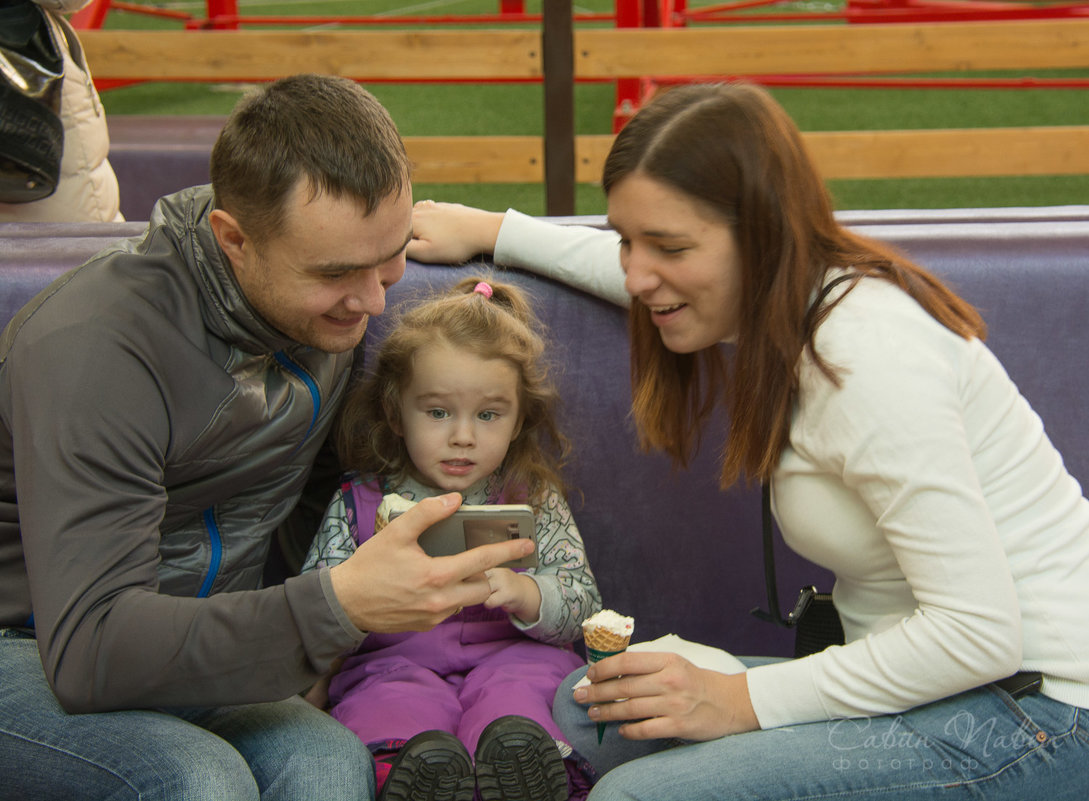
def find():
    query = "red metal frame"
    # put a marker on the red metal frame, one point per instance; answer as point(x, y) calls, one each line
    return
point(631, 93)
point(224, 15)
point(678, 14)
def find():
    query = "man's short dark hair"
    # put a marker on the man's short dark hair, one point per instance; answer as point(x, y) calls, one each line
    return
point(327, 129)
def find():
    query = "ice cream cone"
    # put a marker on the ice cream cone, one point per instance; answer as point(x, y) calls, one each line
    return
point(606, 633)
point(390, 503)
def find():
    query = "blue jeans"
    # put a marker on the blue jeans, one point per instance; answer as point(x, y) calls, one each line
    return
point(981, 744)
point(286, 750)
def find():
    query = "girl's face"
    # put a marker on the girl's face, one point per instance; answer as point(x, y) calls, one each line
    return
point(681, 262)
point(458, 416)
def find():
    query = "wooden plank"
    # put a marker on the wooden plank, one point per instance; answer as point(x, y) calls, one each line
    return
point(590, 153)
point(599, 53)
point(476, 159)
point(825, 49)
point(1058, 150)
point(263, 55)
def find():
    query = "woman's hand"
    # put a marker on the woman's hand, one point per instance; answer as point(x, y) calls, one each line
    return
point(450, 233)
point(515, 593)
point(665, 695)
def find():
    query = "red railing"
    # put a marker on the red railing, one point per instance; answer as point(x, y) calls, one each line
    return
point(631, 93)
point(224, 15)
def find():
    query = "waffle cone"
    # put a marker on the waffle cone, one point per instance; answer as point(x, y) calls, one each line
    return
point(601, 639)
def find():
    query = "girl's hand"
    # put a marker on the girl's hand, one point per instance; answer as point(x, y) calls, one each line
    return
point(450, 233)
point(515, 593)
point(667, 696)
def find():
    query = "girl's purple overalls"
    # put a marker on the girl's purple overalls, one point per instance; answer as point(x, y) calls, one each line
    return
point(469, 670)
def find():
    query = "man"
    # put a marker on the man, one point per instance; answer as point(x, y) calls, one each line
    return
point(161, 409)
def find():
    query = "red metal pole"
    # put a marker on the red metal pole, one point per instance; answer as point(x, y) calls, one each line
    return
point(91, 16)
point(628, 15)
point(222, 8)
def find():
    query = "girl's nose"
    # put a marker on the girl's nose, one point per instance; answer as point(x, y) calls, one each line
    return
point(463, 434)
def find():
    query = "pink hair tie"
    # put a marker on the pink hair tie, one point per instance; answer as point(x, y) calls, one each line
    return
point(484, 289)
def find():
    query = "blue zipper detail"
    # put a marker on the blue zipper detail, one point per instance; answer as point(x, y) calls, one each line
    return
point(214, 537)
point(297, 371)
point(216, 541)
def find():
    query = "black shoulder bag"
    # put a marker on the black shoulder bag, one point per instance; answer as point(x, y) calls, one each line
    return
point(814, 617)
point(31, 131)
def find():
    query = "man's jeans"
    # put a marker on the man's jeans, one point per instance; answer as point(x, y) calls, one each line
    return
point(981, 744)
point(287, 750)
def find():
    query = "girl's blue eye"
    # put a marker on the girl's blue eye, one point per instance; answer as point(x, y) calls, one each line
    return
point(488, 416)
point(436, 414)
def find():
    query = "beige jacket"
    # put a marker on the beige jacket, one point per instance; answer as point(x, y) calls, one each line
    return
point(88, 187)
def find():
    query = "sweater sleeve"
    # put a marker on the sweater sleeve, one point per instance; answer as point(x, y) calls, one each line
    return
point(333, 543)
point(895, 506)
point(578, 255)
point(569, 592)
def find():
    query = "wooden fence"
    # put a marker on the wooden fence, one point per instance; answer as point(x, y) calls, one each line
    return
point(612, 53)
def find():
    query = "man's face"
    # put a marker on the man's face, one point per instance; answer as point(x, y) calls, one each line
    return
point(326, 272)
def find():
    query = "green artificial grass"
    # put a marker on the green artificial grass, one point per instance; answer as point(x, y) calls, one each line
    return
point(517, 109)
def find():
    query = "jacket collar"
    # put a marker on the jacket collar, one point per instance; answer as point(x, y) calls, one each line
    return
point(225, 310)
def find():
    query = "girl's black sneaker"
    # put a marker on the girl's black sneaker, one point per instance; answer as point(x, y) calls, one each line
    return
point(432, 766)
point(517, 760)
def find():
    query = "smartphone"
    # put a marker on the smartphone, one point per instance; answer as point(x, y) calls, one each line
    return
point(471, 526)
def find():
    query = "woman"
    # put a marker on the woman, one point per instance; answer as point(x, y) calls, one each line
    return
point(899, 454)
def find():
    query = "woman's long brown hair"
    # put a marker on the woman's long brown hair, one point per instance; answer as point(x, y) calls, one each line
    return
point(734, 150)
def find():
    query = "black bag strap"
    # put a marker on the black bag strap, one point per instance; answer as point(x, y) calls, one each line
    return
point(774, 614)
point(805, 597)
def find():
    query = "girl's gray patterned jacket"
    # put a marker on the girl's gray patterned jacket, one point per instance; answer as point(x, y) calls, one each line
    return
point(156, 431)
point(569, 592)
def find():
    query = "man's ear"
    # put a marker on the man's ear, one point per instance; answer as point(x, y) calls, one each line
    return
point(230, 236)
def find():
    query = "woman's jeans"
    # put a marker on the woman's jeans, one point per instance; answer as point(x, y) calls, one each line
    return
point(981, 744)
point(286, 750)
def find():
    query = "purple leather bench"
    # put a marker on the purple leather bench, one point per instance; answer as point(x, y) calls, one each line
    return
point(669, 548)
point(155, 155)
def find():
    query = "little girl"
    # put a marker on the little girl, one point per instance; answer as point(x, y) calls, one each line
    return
point(460, 400)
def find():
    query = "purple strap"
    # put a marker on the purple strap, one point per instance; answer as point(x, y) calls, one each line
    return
point(361, 501)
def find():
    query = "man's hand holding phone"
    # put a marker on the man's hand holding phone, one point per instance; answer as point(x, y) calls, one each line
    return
point(390, 585)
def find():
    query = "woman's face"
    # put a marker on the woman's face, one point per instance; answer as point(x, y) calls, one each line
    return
point(681, 262)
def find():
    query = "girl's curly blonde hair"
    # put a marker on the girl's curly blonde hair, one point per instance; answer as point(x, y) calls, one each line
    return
point(502, 326)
